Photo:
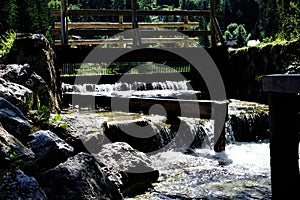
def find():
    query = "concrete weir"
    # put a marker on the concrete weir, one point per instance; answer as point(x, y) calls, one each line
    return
point(172, 108)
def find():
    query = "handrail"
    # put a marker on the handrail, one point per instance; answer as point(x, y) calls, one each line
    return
point(128, 12)
point(65, 27)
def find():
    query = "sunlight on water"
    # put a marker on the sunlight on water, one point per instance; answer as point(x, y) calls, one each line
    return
point(241, 172)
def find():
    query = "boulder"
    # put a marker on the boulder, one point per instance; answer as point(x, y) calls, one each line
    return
point(50, 150)
point(35, 50)
point(17, 185)
point(17, 94)
point(80, 177)
point(24, 75)
point(12, 151)
point(130, 169)
point(14, 121)
point(143, 134)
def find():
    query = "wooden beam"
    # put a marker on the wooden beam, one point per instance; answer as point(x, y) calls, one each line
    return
point(218, 29)
point(212, 27)
point(109, 12)
point(113, 25)
point(64, 22)
point(130, 41)
point(144, 33)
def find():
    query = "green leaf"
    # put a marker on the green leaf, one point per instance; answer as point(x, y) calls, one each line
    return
point(57, 118)
point(63, 125)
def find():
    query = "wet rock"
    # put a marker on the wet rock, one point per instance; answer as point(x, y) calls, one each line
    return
point(143, 134)
point(130, 169)
point(248, 121)
point(17, 185)
point(17, 94)
point(80, 177)
point(24, 75)
point(12, 151)
point(72, 139)
point(50, 150)
point(35, 50)
point(14, 121)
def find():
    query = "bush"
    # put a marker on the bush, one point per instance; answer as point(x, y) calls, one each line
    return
point(238, 33)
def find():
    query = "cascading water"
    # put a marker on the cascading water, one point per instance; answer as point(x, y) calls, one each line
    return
point(241, 172)
point(166, 89)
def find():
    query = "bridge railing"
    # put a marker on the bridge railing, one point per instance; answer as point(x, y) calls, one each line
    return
point(84, 33)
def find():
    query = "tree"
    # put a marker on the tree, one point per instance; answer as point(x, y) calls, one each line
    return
point(238, 33)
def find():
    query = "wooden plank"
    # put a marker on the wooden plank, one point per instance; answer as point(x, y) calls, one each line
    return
point(144, 33)
point(128, 41)
point(110, 12)
point(102, 25)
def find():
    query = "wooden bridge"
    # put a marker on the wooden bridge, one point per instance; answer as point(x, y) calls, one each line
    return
point(86, 35)
point(91, 33)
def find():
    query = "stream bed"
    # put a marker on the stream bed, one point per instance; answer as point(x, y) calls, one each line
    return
point(242, 171)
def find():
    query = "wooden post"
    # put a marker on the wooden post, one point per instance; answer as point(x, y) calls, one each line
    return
point(64, 22)
point(219, 130)
point(136, 36)
point(121, 20)
point(212, 26)
point(284, 108)
point(186, 21)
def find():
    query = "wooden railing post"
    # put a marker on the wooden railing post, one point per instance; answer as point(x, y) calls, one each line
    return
point(136, 36)
point(121, 20)
point(212, 26)
point(186, 21)
point(64, 22)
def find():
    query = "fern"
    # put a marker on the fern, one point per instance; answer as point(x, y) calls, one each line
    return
point(6, 43)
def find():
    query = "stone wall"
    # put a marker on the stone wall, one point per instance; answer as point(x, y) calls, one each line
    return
point(242, 69)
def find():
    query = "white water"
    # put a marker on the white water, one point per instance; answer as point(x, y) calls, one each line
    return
point(170, 89)
point(241, 172)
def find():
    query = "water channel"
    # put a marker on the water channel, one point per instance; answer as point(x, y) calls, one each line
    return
point(242, 171)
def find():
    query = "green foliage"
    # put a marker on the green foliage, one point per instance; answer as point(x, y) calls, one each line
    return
point(57, 118)
point(237, 32)
point(14, 157)
point(6, 43)
point(290, 22)
point(42, 117)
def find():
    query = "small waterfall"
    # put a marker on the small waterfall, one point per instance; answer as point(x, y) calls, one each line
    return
point(166, 89)
point(247, 122)
point(119, 86)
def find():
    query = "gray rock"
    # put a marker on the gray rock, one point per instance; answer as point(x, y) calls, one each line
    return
point(80, 177)
point(50, 150)
point(17, 94)
point(14, 121)
point(128, 168)
point(24, 75)
point(36, 50)
point(12, 151)
point(143, 134)
point(17, 185)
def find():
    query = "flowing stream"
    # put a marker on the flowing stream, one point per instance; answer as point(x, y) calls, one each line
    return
point(242, 171)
